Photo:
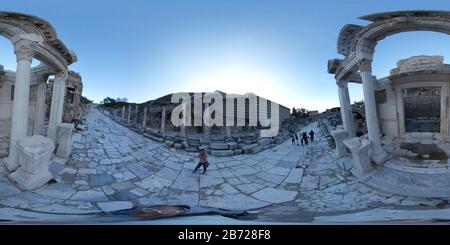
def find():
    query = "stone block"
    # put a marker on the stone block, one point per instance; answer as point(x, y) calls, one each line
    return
point(264, 141)
point(184, 144)
point(64, 139)
point(360, 152)
point(248, 147)
point(232, 145)
point(254, 150)
point(34, 161)
point(339, 135)
point(169, 143)
point(218, 146)
point(237, 151)
point(222, 153)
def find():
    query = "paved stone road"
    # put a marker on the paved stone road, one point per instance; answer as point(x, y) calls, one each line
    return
point(114, 168)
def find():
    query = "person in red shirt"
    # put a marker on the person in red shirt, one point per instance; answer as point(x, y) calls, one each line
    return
point(203, 161)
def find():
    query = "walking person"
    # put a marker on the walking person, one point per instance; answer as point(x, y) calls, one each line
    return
point(311, 135)
point(293, 139)
point(296, 138)
point(203, 161)
point(302, 141)
point(305, 138)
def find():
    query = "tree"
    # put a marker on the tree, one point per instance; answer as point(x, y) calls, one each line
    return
point(108, 100)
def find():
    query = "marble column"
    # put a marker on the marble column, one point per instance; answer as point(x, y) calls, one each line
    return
point(377, 153)
point(19, 120)
point(136, 113)
point(129, 114)
point(163, 121)
point(144, 120)
point(57, 106)
point(39, 114)
point(206, 122)
point(346, 109)
point(123, 113)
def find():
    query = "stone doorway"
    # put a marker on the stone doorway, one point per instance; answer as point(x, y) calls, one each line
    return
point(422, 108)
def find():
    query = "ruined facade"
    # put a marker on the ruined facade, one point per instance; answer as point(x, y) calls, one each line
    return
point(413, 98)
point(23, 96)
point(40, 83)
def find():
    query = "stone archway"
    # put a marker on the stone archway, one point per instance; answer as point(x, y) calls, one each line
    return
point(33, 37)
point(357, 43)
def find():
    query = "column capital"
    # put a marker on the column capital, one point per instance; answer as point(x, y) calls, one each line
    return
point(365, 65)
point(342, 83)
point(60, 76)
point(23, 53)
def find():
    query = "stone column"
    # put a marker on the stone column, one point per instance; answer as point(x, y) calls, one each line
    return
point(123, 113)
point(206, 123)
point(144, 120)
point(39, 116)
point(346, 109)
point(377, 153)
point(163, 121)
point(57, 107)
point(129, 114)
point(136, 120)
point(19, 120)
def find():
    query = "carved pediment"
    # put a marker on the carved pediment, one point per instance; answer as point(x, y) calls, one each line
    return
point(419, 63)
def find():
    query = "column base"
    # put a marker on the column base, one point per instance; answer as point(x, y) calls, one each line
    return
point(10, 166)
point(378, 156)
point(25, 181)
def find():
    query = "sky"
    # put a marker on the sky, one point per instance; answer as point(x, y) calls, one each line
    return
point(278, 49)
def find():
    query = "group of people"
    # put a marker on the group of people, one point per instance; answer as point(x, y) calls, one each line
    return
point(203, 156)
point(304, 138)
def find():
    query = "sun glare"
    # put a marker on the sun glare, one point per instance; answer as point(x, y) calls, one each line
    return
point(237, 80)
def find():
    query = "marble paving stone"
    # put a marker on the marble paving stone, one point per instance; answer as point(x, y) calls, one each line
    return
point(138, 170)
point(58, 190)
point(295, 176)
point(272, 195)
point(121, 186)
point(154, 182)
point(185, 185)
point(108, 207)
point(8, 189)
point(210, 181)
point(250, 188)
point(232, 202)
point(168, 173)
point(89, 195)
point(100, 179)
point(124, 195)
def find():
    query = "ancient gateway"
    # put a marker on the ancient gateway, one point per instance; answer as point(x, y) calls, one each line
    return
point(31, 96)
point(407, 113)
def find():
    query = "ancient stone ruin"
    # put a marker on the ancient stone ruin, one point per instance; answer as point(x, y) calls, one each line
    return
point(152, 119)
point(34, 101)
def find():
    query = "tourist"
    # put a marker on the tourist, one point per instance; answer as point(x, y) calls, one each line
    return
point(311, 135)
point(302, 141)
point(296, 138)
point(203, 161)
point(293, 139)
point(305, 138)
